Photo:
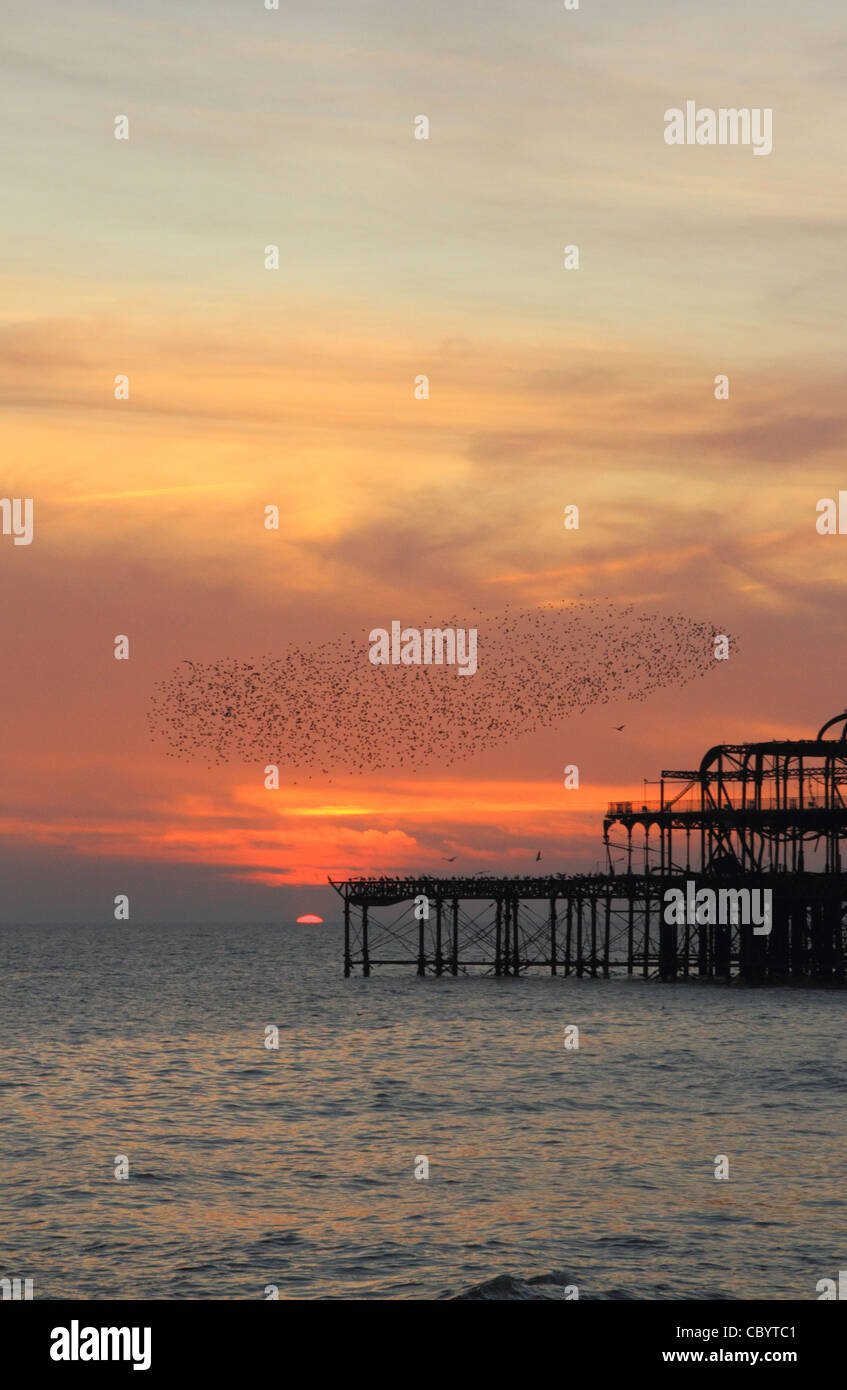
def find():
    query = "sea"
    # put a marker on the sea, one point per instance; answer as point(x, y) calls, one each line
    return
point(408, 1138)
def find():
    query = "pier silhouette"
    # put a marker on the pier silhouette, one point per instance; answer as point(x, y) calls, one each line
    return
point(766, 817)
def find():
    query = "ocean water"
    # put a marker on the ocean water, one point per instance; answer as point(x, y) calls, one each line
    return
point(295, 1167)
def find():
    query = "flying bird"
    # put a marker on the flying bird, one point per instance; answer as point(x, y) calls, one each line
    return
point(449, 861)
point(322, 711)
point(538, 856)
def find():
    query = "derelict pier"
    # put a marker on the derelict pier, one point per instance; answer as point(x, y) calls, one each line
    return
point(752, 817)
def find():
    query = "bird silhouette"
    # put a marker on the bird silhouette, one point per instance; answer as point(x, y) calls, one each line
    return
point(449, 861)
point(321, 710)
point(538, 856)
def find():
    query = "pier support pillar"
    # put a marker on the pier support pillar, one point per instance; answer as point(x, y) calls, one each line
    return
point(347, 961)
point(421, 948)
point(630, 934)
point(366, 957)
point(552, 933)
point(668, 944)
point(507, 937)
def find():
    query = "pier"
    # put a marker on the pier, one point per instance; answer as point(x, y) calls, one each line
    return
point(754, 818)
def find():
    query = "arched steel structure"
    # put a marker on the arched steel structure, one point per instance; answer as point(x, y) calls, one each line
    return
point(767, 818)
point(774, 807)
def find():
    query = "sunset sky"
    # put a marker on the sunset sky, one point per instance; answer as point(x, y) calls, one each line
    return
point(399, 257)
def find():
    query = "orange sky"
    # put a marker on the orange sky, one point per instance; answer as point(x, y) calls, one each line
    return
point(250, 387)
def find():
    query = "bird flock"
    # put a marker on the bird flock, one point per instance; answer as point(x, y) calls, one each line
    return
point(323, 709)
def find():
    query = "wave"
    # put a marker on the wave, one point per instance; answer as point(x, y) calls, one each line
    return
point(506, 1288)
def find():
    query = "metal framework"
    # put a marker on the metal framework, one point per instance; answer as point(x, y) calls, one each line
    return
point(758, 816)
